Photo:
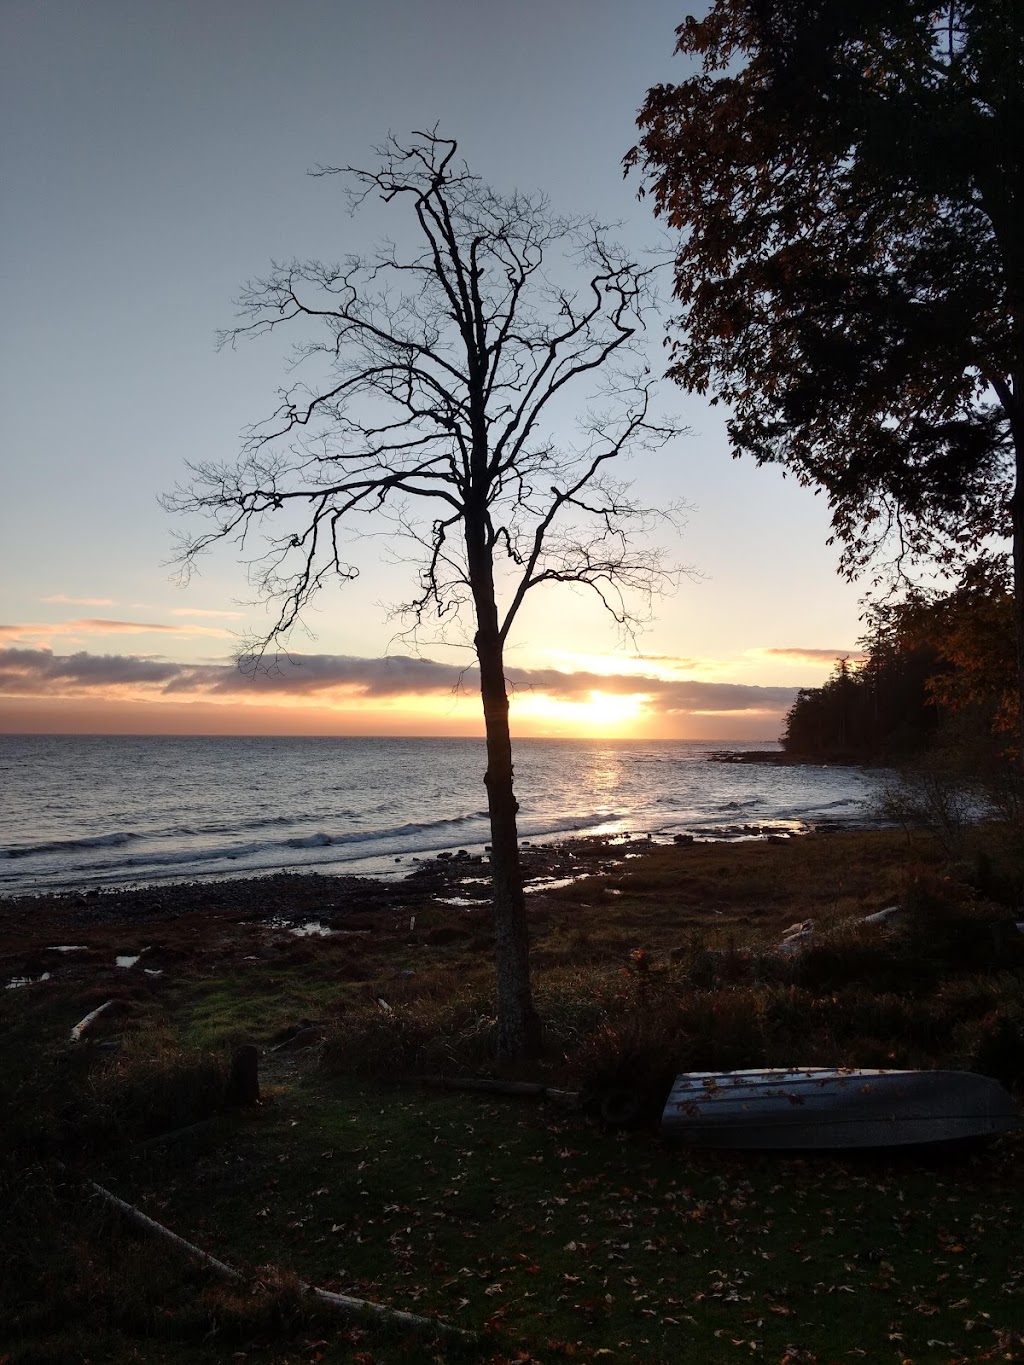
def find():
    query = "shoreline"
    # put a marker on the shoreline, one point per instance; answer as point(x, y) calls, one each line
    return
point(778, 758)
point(137, 944)
point(381, 822)
point(328, 895)
point(562, 859)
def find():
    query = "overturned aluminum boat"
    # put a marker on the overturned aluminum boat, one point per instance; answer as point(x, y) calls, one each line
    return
point(824, 1107)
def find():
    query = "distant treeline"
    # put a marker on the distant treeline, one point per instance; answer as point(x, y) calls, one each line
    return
point(938, 671)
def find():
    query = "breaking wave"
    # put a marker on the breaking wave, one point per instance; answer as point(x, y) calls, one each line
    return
point(115, 840)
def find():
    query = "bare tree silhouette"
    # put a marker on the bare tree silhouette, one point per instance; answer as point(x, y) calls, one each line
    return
point(439, 374)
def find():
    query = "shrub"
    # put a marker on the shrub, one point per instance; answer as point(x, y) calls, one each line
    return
point(423, 1035)
point(994, 1044)
point(968, 998)
point(151, 1086)
point(936, 798)
point(637, 1049)
point(831, 963)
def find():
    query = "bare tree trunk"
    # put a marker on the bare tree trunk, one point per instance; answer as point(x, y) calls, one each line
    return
point(999, 196)
point(519, 1028)
point(520, 1032)
point(1017, 512)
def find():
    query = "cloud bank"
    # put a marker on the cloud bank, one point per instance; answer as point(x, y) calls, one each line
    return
point(334, 678)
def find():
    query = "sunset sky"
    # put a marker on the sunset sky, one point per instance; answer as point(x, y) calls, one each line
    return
point(154, 158)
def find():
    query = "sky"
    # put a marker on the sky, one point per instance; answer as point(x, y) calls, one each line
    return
point(155, 157)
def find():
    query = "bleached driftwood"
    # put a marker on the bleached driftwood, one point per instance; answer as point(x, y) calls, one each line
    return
point(347, 1304)
point(83, 1024)
point(143, 1220)
point(342, 1302)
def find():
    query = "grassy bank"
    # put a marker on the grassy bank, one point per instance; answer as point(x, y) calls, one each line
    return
point(531, 1223)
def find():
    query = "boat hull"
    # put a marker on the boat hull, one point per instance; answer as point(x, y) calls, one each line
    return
point(828, 1108)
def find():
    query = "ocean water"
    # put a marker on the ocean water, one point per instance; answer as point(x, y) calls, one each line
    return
point(85, 811)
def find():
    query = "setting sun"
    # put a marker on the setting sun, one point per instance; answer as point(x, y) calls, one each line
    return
point(601, 713)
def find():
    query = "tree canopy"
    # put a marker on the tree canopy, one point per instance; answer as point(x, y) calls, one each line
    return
point(847, 181)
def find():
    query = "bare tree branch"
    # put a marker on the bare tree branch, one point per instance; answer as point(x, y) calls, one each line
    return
point(472, 391)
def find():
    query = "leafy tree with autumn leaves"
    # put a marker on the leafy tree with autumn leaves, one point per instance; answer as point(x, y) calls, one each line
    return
point(847, 182)
point(970, 631)
point(937, 672)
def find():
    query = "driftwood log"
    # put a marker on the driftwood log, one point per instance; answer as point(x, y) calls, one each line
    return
point(83, 1024)
point(342, 1302)
point(143, 1220)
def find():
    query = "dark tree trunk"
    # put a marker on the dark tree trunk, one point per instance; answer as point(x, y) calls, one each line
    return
point(519, 1027)
point(1017, 510)
point(1000, 196)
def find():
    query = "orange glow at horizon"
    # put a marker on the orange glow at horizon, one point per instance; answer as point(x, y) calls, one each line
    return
point(111, 694)
point(601, 715)
point(92, 715)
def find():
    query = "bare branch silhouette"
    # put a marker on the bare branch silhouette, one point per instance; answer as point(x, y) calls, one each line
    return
point(427, 387)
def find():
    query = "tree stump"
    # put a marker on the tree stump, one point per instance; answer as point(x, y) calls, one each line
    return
point(244, 1080)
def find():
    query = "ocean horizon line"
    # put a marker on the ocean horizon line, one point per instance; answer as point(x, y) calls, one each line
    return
point(447, 738)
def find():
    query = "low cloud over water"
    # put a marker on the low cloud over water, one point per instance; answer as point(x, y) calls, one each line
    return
point(40, 673)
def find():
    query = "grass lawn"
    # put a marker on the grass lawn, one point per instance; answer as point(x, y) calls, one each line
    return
point(526, 1223)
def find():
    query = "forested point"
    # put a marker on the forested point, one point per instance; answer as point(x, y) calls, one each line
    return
point(937, 678)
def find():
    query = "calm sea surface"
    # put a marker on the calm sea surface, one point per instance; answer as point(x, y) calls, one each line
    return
point(81, 811)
